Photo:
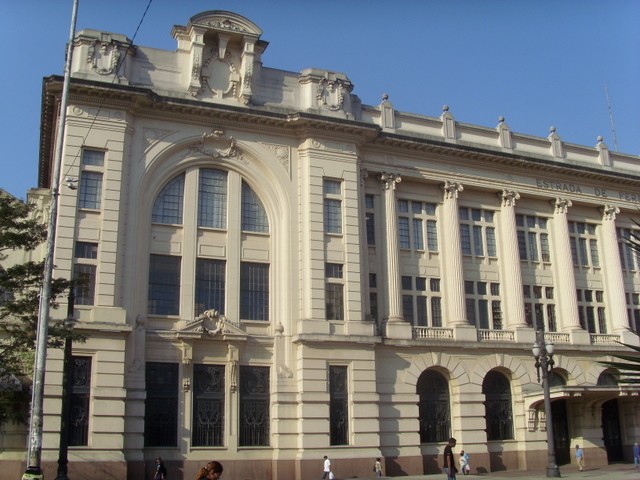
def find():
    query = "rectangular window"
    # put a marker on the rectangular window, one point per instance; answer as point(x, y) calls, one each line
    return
point(419, 304)
point(413, 219)
point(332, 190)
point(161, 405)
point(90, 194)
point(212, 199)
point(477, 232)
point(483, 304)
point(334, 292)
point(86, 250)
point(539, 307)
point(373, 295)
point(533, 239)
point(210, 285)
point(371, 228)
point(255, 395)
point(403, 233)
point(338, 405)
point(208, 406)
point(591, 310)
point(164, 285)
point(254, 291)
point(584, 245)
point(254, 216)
point(84, 283)
point(95, 158)
point(79, 400)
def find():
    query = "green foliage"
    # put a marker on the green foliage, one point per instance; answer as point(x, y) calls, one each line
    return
point(20, 286)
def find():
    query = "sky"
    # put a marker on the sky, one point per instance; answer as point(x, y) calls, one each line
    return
point(572, 64)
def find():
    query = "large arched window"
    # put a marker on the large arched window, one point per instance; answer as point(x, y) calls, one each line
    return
point(433, 407)
point(210, 244)
point(498, 411)
point(608, 378)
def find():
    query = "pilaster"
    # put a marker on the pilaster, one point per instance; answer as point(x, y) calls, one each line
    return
point(452, 253)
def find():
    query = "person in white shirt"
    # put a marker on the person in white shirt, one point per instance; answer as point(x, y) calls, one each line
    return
point(326, 473)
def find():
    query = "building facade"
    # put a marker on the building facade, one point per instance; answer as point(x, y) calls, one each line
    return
point(270, 271)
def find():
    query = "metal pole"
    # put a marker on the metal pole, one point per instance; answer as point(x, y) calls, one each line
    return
point(545, 363)
point(34, 455)
point(63, 456)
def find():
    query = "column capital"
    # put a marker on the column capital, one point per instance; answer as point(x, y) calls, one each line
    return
point(452, 189)
point(609, 212)
point(561, 205)
point(508, 197)
point(389, 180)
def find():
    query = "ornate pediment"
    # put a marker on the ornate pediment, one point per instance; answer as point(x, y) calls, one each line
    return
point(211, 324)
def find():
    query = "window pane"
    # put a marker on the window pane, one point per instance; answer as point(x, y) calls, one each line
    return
point(84, 281)
point(254, 291)
point(168, 205)
point(210, 285)
point(403, 232)
point(161, 405)
point(93, 157)
point(332, 216)
point(212, 199)
point(254, 216)
point(254, 406)
point(164, 285)
point(334, 301)
point(208, 406)
point(90, 194)
point(432, 236)
point(79, 400)
point(86, 250)
point(418, 240)
point(338, 406)
point(331, 187)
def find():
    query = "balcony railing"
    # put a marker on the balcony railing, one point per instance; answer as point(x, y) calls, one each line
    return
point(496, 335)
point(433, 333)
point(555, 337)
point(600, 339)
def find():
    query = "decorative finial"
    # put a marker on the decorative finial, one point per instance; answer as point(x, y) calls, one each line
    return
point(385, 97)
point(600, 138)
point(552, 129)
point(500, 119)
point(445, 108)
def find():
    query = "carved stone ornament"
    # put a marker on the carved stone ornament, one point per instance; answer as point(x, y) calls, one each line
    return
point(561, 205)
point(221, 80)
point(609, 212)
point(215, 145)
point(211, 323)
point(389, 180)
point(452, 189)
point(508, 197)
point(103, 57)
point(330, 93)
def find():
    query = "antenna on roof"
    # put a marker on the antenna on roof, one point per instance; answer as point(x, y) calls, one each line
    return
point(613, 126)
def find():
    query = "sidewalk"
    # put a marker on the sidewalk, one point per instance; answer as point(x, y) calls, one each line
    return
point(623, 471)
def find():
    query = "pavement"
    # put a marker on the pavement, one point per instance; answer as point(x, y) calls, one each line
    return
point(621, 471)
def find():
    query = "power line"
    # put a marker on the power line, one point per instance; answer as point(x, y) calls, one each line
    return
point(613, 126)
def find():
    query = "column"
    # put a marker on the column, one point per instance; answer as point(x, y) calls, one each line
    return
point(510, 262)
point(453, 274)
point(565, 282)
point(612, 269)
point(396, 327)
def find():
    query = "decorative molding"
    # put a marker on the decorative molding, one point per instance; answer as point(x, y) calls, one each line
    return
point(222, 147)
point(561, 205)
point(330, 93)
point(609, 212)
point(282, 153)
point(105, 58)
point(508, 197)
point(389, 180)
point(452, 189)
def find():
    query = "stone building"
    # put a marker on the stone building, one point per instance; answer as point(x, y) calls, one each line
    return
point(272, 271)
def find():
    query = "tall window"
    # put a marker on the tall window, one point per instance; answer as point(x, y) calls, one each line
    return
point(477, 232)
point(168, 205)
point(433, 408)
point(498, 409)
point(629, 258)
point(254, 216)
point(164, 285)
point(370, 219)
point(332, 191)
point(84, 272)
point(338, 405)
point(417, 227)
point(80, 400)
point(539, 307)
point(373, 295)
point(161, 405)
point(254, 406)
point(591, 310)
point(633, 311)
point(212, 199)
point(334, 291)
point(484, 308)
point(210, 285)
point(254, 291)
point(584, 245)
point(421, 301)
point(208, 406)
point(533, 238)
point(90, 192)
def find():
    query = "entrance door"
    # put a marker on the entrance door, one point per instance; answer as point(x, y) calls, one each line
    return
point(611, 431)
point(561, 432)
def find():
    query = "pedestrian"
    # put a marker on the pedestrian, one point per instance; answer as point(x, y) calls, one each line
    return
point(215, 471)
point(580, 458)
point(326, 469)
point(161, 470)
point(636, 454)
point(203, 473)
point(377, 468)
point(464, 463)
point(449, 463)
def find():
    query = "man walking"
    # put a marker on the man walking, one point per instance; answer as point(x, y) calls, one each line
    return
point(580, 458)
point(449, 463)
point(326, 470)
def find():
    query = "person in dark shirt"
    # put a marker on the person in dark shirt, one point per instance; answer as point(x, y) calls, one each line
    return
point(449, 463)
point(161, 470)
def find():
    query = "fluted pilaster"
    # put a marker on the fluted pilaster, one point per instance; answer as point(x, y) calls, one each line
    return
point(452, 252)
point(612, 270)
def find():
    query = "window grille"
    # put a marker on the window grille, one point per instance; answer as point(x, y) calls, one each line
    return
point(167, 207)
point(254, 291)
point(254, 406)
point(254, 216)
point(208, 406)
point(90, 194)
point(210, 285)
point(433, 407)
point(79, 400)
point(212, 199)
point(338, 405)
point(498, 409)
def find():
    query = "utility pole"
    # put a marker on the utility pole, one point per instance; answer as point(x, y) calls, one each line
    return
point(34, 455)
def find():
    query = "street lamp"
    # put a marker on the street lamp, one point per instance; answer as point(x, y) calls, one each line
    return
point(543, 352)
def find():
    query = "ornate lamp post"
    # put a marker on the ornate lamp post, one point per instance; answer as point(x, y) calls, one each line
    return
point(543, 353)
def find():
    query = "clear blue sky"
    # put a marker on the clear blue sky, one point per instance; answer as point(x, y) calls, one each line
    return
point(538, 63)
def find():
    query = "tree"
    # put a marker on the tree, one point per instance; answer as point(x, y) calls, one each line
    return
point(20, 286)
